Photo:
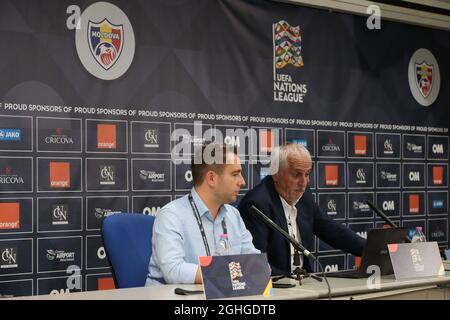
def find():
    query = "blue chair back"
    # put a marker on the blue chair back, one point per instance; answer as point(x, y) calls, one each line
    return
point(127, 238)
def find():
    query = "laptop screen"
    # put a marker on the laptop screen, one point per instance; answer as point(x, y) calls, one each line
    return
point(376, 251)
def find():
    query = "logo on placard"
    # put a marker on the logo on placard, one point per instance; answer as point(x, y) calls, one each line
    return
point(360, 145)
point(287, 49)
point(8, 258)
point(105, 41)
point(151, 137)
point(331, 175)
point(417, 260)
point(424, 77)
point(106, 136)
point(60, 214)
point(107, 175)
point(414, 203)
point(10, 134)
point(59, 174)
point(235, 275)
point(9, 215)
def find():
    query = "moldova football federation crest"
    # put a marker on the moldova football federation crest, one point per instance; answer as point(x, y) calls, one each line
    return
point(287, 45)
point(106, 42)
point(424, 77)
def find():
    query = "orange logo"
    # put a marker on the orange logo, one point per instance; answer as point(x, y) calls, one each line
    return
point(414, 201)
point(59, 175)
point(360, 145)
point(9, 215)
point(106, 136)
point(331, 175)
point(438, 174)
point(266, 141)
point(106, 283)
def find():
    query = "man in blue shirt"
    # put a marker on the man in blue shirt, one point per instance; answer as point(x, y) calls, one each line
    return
point(191, 226)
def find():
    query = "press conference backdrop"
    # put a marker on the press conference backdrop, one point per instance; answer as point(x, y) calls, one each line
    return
point(96, 95)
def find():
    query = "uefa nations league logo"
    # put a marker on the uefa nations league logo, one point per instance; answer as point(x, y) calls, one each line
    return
point(424, 77)
point(105, 41)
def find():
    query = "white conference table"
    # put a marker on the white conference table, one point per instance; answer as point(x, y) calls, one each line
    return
point(419, 288)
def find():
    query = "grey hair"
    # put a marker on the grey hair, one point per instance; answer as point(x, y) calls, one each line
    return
point(280, 155)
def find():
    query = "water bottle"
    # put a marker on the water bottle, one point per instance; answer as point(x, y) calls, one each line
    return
point(223, 247)
point(418, 236)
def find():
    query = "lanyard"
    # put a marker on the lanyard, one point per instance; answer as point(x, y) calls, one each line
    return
point(200, 224)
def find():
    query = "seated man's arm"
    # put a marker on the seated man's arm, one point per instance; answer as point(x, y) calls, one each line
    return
point(169, 249)
point(336, 234)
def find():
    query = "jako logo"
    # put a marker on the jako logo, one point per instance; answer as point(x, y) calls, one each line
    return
point(105, 41)
point(10, 134)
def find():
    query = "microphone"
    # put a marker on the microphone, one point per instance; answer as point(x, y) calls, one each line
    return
point(385, 218)
point(296, 245)
point(286, 235)
point(382, 215)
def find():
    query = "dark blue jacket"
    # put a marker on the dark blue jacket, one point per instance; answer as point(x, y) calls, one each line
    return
point(310, 220)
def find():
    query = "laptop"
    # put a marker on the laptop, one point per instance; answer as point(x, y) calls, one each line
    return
point(375, 253)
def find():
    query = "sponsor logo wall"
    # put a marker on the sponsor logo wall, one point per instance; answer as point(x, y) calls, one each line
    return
point(91, 130)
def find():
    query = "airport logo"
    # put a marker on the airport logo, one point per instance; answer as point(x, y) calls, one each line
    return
point(105, 41)
point(424, 77)
point(10, 134)
point(360, 145)
point(9, 216)
point(360, 206)
point(151, 176)
point(106, 136)
point(414, 203)
point(101, 213)
point(8, 258)
point(60, 255)
point(388, 176)
point(59, 174)
point(60, 214)
point(414, 148)
point(107, 175)
point(151, 138)
point(331, 175)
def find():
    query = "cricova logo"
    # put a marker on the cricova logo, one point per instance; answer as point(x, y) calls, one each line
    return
point(9, 178)
point(10, 135)
point(58, 138)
